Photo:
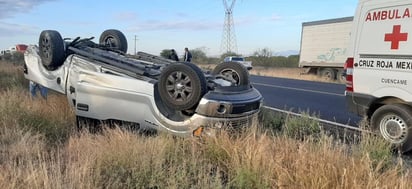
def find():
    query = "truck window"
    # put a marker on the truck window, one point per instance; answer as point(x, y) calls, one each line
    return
point(237, 59)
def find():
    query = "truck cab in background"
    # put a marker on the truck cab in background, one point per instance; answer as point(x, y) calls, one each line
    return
point(379, 69)
point(17, 48)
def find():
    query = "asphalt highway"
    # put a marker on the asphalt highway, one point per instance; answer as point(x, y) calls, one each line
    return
point(323, 100)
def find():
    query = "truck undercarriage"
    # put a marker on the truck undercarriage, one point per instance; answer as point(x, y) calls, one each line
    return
point(102, 82)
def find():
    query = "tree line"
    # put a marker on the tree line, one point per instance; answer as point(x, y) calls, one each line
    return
point(261, 57)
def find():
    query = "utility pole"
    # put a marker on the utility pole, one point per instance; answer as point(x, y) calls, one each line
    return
point(135, 39)
point(229, 36)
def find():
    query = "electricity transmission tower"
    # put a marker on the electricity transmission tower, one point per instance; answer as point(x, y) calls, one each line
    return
point(229, 36)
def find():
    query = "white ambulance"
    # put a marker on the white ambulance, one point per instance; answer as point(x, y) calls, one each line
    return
point(379, 68)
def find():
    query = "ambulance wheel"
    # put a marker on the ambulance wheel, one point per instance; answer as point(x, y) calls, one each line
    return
point(114, 39)
point(234, 72)
point(394, 123)
point(181, 86)
point(51, 49)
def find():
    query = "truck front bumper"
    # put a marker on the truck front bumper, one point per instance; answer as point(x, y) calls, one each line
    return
point(224, 110)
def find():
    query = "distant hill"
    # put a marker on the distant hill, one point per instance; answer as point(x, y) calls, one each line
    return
point(286, 53)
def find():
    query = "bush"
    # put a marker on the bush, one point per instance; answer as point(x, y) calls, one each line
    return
point(271, 120)
point(275, 61)
point(377, 149)
point(290, 125)
point(15, 58)
point(166, 53)
point(302, 127)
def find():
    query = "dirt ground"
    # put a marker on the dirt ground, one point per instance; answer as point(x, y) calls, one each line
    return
point(291, 73)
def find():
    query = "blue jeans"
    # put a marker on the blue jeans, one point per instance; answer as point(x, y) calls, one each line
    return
point(33, 90)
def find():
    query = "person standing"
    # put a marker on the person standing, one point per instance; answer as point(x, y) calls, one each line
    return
point(33, 90)
point(173, 55)
point(188, 55)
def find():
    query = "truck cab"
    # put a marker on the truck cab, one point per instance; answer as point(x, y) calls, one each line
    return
point(379, 69)
point(240, 60)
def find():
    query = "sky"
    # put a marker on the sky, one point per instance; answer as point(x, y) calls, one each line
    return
point(165, 24)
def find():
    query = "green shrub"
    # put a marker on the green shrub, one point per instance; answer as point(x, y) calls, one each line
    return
point(271, 120)
point(301, 127)
point(377, 149)
point(290, 125)
point(247, 178)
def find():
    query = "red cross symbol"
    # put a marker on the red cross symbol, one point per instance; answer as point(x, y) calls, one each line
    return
point(396, 36)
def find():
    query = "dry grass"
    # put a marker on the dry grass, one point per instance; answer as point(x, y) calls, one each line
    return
point(39, 149)
point(119, 159)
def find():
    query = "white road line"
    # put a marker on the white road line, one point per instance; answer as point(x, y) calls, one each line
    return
point(296, 89)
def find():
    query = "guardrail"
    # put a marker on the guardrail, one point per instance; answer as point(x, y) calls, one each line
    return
point(344, 132)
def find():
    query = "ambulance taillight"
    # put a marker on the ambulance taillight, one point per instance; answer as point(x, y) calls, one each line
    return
point(349, 74)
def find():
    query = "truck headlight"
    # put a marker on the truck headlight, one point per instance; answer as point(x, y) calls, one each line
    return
point(213, 108)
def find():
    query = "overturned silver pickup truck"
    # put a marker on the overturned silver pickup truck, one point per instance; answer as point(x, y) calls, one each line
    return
point(103, 83)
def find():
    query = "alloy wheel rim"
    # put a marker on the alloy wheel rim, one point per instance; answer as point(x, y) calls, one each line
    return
point(179, 86)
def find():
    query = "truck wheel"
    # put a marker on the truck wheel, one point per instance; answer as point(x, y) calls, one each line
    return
point(394, 123)
point(114, 39)
point(51, 49)
point(181, 86)
point(340, 76)
point(327, 74)
point(233, 72)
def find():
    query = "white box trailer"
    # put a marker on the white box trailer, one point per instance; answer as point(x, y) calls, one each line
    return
point(323, 47)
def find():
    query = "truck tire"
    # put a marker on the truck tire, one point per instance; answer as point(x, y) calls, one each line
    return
point(340, 76)
point(233, 72)
point(394, 123)
point(51, 49)
point(181, 86)
point(327, 74)
point(113, 39)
